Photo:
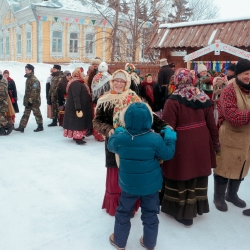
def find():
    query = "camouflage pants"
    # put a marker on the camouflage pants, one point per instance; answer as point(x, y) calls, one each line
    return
point(26, 116)
point(54, 107)
point(3, 121)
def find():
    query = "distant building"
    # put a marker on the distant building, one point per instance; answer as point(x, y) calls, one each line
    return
point(51, 31)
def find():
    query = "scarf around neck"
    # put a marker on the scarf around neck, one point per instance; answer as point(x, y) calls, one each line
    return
point(191, 96)
point(243, 85)
point(120, 102)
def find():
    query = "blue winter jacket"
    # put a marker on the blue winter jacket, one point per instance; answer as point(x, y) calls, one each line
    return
point(139, 150)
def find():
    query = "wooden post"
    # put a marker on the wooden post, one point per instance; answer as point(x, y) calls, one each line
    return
point(188, 64)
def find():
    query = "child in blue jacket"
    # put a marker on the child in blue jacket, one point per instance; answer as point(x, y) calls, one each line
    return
point(140, 177)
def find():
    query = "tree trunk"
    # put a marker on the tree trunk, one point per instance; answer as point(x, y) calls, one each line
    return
point(114, 33)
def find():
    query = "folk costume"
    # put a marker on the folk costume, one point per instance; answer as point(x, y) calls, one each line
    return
point(189, 112)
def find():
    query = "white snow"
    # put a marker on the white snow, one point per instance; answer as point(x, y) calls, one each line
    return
point(202, 22)
point(212, 37)
point(51, 193)
point(163, 38)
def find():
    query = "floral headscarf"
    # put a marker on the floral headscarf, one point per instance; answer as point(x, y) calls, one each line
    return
point(183, 79)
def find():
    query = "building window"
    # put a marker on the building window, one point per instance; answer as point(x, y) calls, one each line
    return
point(89, 43)
point(73, 43)
point(19, 43)
point(129, 48)
point(57, 41)
point(7, 45)
point(28, 42)
point(1, 46)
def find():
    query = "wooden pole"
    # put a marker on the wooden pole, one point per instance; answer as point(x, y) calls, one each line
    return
point(188, 64)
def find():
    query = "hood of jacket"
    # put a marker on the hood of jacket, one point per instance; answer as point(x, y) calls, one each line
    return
point(138, 118)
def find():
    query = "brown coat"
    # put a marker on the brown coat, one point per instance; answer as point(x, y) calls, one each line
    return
point(197, 137)
point(234, 161)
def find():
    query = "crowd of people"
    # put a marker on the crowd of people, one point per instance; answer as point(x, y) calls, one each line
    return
point(162, 136)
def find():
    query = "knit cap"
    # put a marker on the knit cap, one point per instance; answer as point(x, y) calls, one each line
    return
point(201, 67)
point(241, 66)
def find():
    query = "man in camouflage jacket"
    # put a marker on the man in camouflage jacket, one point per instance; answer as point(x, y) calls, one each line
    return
point(56, 78)
point(31, 100)
point(4, 125)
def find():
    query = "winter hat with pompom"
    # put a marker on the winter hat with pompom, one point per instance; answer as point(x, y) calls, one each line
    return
point(201, 67)
point(103, 67)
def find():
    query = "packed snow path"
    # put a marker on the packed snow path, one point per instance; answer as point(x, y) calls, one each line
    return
point(51, 192)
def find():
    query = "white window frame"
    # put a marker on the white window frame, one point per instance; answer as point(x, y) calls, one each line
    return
point(6, 34)
point(18, 44)
point(7, 46)
point(89, 31)
point(1, 45)
point(74, 28)
point(59, 28)
point(28, 42)
point(129, 49)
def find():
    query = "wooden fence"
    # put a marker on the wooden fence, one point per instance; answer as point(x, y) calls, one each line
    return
point(144, 68)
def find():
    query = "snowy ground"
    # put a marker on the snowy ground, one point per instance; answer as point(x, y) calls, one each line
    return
point(51, 193)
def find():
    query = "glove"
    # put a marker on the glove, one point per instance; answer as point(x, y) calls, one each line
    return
point(169, 134)
point(119, 129)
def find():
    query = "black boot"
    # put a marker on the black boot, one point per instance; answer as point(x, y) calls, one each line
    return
point(89, 132)
point(9, 128)
point(231, 195)
point(54, 123)
point(20, 129)
point(2, 132)
point(246, 212)
point(220, 186)
point(39, 128)
point(80, 142)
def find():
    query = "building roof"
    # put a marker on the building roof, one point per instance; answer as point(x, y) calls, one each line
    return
point(203, 33)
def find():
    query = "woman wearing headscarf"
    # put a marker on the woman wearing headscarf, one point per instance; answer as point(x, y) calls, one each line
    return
point(77, 117)
point(107, 118)
point(135, 79)
point(189, 111)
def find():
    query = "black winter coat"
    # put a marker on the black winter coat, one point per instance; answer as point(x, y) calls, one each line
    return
point(78, 98)
point(13, 94)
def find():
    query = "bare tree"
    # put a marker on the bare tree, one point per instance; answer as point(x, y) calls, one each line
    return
point(202, 10)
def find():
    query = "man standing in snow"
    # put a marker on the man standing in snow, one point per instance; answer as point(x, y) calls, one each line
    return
point(32, 100)
point(4, 106)
point(56, 78)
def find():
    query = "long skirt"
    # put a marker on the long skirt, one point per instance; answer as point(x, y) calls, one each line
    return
point(113, 192)
point(185, 199)
point(78, 135)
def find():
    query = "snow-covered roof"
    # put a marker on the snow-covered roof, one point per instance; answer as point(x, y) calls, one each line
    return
point(202, 22)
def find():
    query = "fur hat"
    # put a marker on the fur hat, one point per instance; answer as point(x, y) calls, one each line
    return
point(201, 67)
point(103, 67)
point(56, 66)
point(97, 61)
point(231, 67)
point(6, 72)
point(30, 67)
point(66, 72)
point(241, 66)
point(163, 62)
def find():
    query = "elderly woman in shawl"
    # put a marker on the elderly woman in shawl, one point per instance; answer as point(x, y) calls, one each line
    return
point(77, 117)
point(108, 112)
point(189, 111)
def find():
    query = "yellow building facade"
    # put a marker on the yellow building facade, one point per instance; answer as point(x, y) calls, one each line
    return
point(55, 31)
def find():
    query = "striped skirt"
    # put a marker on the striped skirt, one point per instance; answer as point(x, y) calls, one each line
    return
point(185, 199)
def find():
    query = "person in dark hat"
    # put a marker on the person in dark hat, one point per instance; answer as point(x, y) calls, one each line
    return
point(31, 100)
point(231, 71)
point(234, 122)
point(56, 78)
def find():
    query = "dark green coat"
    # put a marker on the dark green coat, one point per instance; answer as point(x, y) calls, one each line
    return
point(32, 91)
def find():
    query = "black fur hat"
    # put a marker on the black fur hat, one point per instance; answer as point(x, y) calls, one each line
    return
point(30, 67)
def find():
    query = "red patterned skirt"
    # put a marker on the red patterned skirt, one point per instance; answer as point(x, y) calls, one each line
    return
point(112, 193)
point(78, 135)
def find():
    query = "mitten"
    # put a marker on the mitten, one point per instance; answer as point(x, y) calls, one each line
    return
point(169, 134)
point(120, 129)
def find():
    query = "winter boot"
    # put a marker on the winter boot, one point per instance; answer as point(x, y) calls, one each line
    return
point(20, 129)
point(112, 242)
point(142, 244)
point(220, 186)
point(246, 212)
point(80, 142)
point(231, 195)
point(53, 124)
point(39, 128)
point(89, 132)
point(2, 131)
point(9, 128)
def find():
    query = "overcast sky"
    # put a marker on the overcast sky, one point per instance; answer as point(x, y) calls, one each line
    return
point(233, 8)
